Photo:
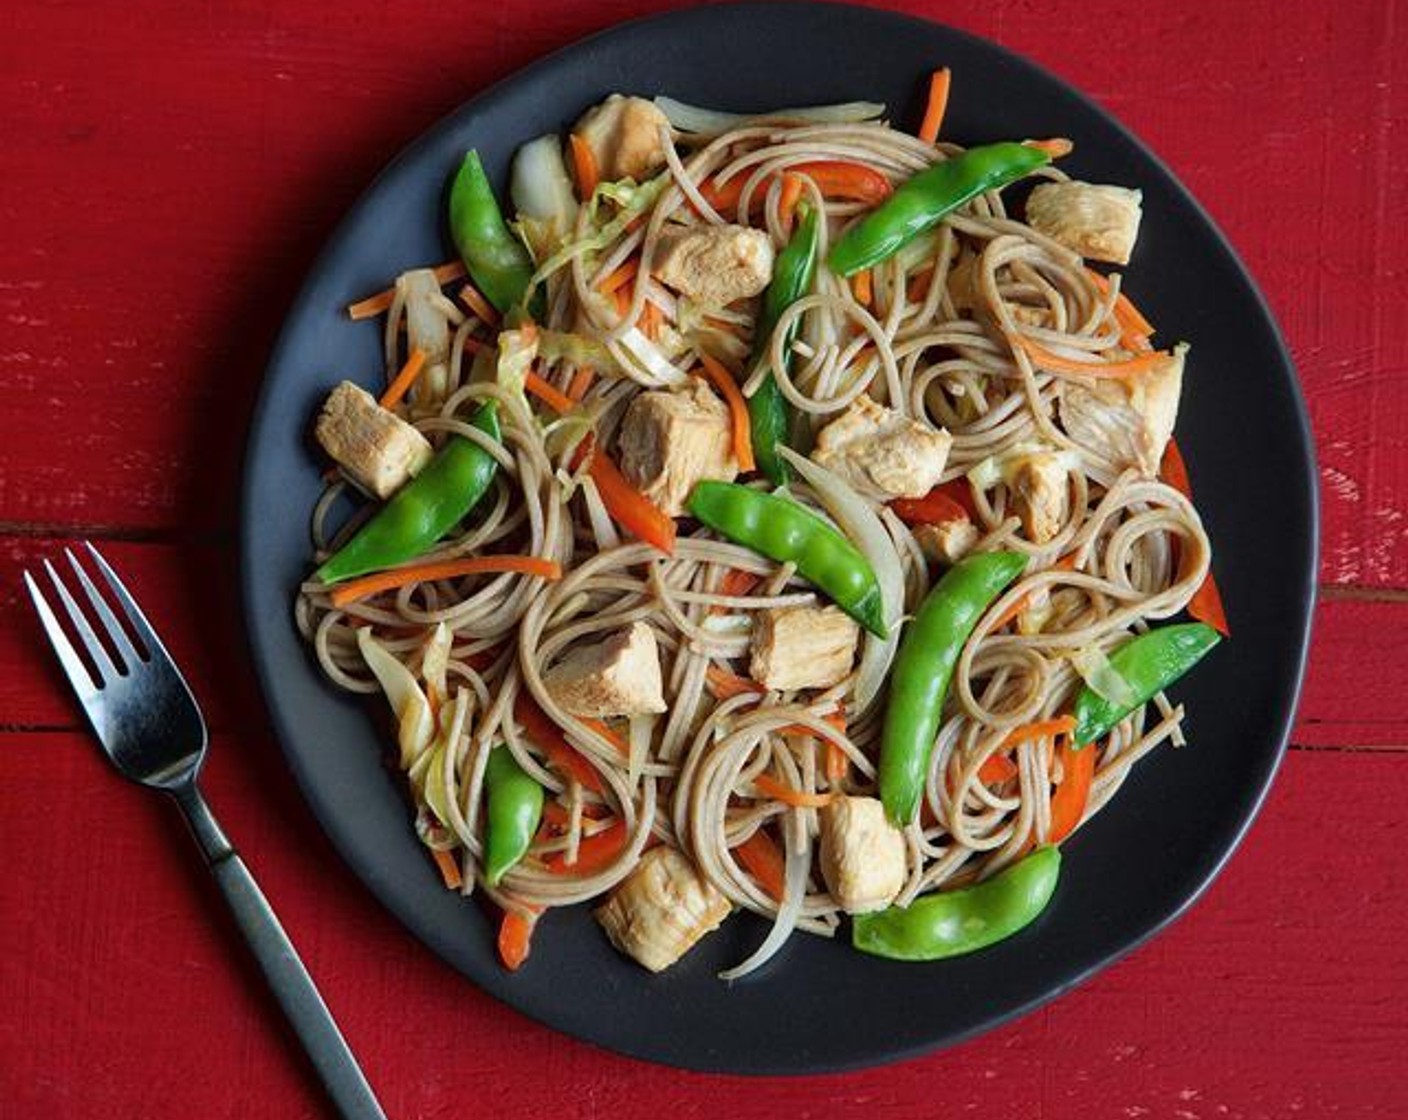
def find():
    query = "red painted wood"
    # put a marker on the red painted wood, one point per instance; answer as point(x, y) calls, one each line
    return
point(1279, 994)
point(167, 176)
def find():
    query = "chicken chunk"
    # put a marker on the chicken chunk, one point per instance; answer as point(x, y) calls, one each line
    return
point(881, 453)
point(1099, 222)
point(862, 854)
point(946, 542)
point(1127, 420)
point(670, 440)
point(623, 134)
point(378, 450)
point(1039, 489)
point(427, 330)
point(619, 676)
point(802, 647)
point(661, 909)
point(715, 265)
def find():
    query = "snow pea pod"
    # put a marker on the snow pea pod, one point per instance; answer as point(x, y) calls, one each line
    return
point(769, 416)
point(497, 262)
point(920, 202)
point(515, 806)
point(424, 509)
point(923, 667)
point(785, 531)
point(1149, 664)
point(951, 923)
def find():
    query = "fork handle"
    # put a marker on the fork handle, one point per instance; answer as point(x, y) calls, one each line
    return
point(291, 984)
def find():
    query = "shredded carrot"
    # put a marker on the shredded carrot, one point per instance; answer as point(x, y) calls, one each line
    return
point(835, 719)
point(449, 869)
point(862, 287)
point(725, 685)
point(584, 167)
point(355, 589)
point(1055, 363)
point(548, 393)
point(629, 508)
point(564, 757)
point(1065, 564)
point(917, 290)
point(1206, 603)
point(516, 937)
point(1069, 798)
point(788, 198)
point(781, 791)
point(939, 83)
point(594, 853)
point(1134, 328)
point(581, 381)
point(403, 380)
point(474, 299)
point(837, 764)
point(651, 319)
point(724, 382)
point(736, 582)
point(619, 276)
point(1042, 729)
point(1055, 148)
point(996, 769)
point(840, 179)
point(375, 305)
point(758, 856)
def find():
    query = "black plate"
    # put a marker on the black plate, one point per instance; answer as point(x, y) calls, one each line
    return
point(820, 1006)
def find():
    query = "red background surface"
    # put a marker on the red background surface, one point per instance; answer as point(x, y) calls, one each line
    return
point(167, 171)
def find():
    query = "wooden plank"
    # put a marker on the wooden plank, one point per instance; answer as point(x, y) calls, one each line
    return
point(1279, 994)
point(148, 368)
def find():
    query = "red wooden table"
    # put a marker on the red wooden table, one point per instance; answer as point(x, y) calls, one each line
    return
point(168, 171)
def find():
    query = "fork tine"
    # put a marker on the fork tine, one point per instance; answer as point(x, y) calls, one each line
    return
point(78, 674)
point(125, 652)
point(107, 671)
point(145, 633)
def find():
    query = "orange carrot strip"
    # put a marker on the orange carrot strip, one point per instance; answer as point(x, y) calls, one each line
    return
point(620, 276)
point(629, 508)
point(1055, 363)
point(841, 179)
point(758, 856)
point(837, 764)
point(548, 393)
point(939, 83)
point(516, 937)
point(835, 719)
point(1061, 725)
point(651, 319)
point(355, 589)
point(581, 381)
point(1206, 604)
point(403, 380)
point(1068, 800)
point(917, 290)
point(474, 299)
point(781, 791)
point(584, 167)
point(1065, 564)
point(548, 737)
point(449, 869)
point(725, 685)
point(1056, 147)
point(788, 198)
point(375, 305)
point(593, 854)
point(737, 410)
point(996, 769)
point(861, 286)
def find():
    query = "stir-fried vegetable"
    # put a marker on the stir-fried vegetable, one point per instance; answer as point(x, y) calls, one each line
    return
point(497, 261)
point(1148, 664)
point(515, 806)
point(355, 589)
point(423, 510)
point(787, 532)
point(952, 923)
point(928, 653)
point(692, 118)
point(922, 201)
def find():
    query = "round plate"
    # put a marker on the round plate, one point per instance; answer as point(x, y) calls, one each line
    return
point(819, 1005)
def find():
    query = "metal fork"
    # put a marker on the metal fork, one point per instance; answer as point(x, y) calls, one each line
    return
point(151, 728)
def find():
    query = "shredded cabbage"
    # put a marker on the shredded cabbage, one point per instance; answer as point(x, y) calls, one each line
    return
point(414, 726)
point(693, 118)
point(517, 350)
point(630, 198)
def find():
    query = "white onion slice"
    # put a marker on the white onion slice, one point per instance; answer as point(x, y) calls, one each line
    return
point(794, 893)
point(652, 359)
point(414, 726)
point(602, 528)
point(694, 118)
point(1102, 677)
point(539, 185)
point(865, 530)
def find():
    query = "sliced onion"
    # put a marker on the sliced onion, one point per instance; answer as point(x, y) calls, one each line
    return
point(693, 118)
point(794, 893)
point(1102, 677)
point(540, 187)
point(730, 624)
point(652, 359)
point(414, 726)
point(602, 527)
point(435, 662)
point(856, 519)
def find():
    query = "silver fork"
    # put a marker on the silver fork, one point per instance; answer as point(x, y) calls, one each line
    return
point(148, 723)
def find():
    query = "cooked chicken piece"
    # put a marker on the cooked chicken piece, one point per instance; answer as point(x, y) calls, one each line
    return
point(1098, 222)
point(1039, 490)
point(671, 440)
point(802, 647)
point(661, 909)
point(862, 854)
point(619, 676)
point(946, 542)
point(1127, 420)
point(715, 265)
point(427, 329)
point(623, 134)
point(378, 450)
point(882, 453)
